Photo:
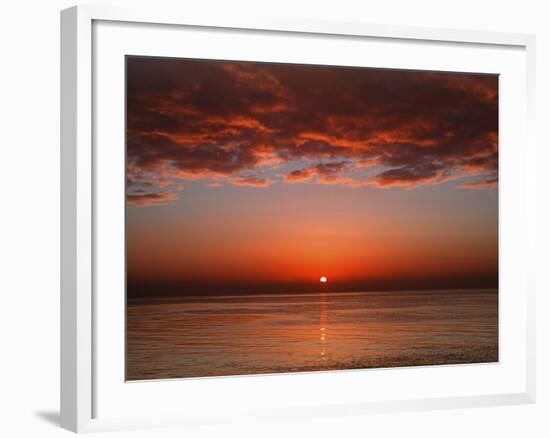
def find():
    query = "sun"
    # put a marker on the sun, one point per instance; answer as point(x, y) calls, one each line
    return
point(323, 279)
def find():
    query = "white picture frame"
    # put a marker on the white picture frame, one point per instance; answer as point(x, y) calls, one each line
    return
point(81, 170)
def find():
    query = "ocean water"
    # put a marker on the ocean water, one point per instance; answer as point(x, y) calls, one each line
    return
point(251, 334)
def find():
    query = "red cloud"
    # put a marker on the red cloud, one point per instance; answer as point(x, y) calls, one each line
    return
point(220, 121)
point(251, 181)
point(491, 183)
point(149, 199)
point(325, 172)
point(299, 175)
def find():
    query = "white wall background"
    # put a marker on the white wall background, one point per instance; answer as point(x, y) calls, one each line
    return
point(29, 216)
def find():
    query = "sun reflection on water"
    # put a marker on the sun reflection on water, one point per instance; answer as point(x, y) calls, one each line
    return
point(323, 316)
point(237, 335)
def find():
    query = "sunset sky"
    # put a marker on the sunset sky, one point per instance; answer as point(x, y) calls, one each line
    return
point(261, 177)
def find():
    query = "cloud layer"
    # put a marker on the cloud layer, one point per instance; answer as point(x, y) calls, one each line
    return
point(257, 124)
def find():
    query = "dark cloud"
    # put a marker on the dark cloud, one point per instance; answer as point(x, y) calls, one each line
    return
point(148, 199)
point(193, 119)
point(325, 172)
point(490, 183)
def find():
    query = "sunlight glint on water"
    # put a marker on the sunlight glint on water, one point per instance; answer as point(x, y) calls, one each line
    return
point(251, 334)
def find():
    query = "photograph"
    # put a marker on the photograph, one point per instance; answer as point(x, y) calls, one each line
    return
point(275, 219)
point(285, 218)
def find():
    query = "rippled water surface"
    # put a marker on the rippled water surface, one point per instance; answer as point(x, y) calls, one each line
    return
point(250, 334)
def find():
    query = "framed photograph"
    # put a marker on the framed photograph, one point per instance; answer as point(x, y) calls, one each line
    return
point(282, 218)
